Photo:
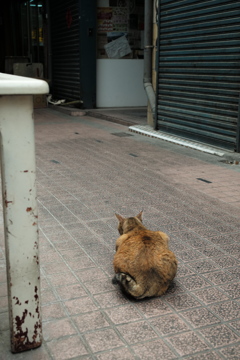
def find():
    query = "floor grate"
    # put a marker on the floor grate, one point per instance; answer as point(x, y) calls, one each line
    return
point(122, 134)
point(147, 130)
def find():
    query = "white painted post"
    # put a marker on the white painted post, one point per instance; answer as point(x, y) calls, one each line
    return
point(20, 208)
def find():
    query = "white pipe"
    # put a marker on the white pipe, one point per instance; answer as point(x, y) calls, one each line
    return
point(20, 209)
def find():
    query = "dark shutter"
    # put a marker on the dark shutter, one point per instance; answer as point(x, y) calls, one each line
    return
point(65, 46)
point(199, 70)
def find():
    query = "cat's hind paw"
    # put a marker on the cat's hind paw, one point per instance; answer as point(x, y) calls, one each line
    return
point(122, 277)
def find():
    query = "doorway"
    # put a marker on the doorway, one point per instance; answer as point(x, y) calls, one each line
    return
point(120, 28)
point(25, 29)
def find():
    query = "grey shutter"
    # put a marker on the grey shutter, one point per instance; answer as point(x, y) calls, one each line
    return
point(199, 70)
point(65, 45)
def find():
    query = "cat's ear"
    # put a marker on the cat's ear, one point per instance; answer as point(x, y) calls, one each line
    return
point(139, 216)
point(120, 218)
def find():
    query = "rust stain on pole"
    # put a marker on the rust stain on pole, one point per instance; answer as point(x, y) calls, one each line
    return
point(21, 341)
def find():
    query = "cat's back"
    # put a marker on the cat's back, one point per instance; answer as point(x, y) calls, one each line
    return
point(144, 241)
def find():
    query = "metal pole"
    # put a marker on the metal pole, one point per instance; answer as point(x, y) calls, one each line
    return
point(148, 49)
point(158, 67)
point(20, 220)
point(238, 128)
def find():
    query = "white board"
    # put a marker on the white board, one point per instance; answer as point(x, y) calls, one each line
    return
point(120, 83)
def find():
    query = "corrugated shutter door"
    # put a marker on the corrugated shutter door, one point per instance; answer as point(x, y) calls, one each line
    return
point(65, 44)
point(199, 70)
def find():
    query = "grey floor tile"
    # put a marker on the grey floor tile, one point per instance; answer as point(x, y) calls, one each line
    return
point(137, 332)
point(84, 175)
point(152, 350)
point(169, 324)
point(219, 335)
point(228, 310)
point(187, 343)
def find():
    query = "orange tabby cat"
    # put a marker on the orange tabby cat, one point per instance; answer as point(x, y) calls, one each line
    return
point(143, 264)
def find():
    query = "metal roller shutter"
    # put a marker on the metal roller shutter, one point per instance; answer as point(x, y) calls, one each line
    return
point(199, 70)
point(65, 44)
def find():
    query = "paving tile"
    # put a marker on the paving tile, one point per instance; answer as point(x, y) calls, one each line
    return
point(44, 283)
point(212, 251)
point(233, 290)
point(189, 254)
point(209, 355)
point(55, 268)
point(82, 311)
point(153, 307)
point(203, 266)
point(71, 254)
point(67, 245)
point(111, 299)
point(211, 295)
point(228, 310)
point(40, 353)
point(187, 343)
point(83, 262)
point(182, 302)
point(53, 311)
point(102, 340)
point(80, 305)
point(219, 277)
point(223, 239)
point(97, 286)
point(206, 232)
point(231, 352)
point(169, 324)
point(48, 296)
point(68, 348)
point(200, 317)
point(86, 275)
point(123, 314)
point(137, 332)
point(116, 354)
point(174, 288)
point(193, 282)
point(183, 270)
point(219, 335)
point(56, 329)
point(62, 279)
point(235, 324)
point(226, 261)
point(233, 249)
point(235, 272)
point(152, 350)
point(70, 291)
point(90, 321)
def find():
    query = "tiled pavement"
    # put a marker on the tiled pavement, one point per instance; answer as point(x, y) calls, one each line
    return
point(88, 169)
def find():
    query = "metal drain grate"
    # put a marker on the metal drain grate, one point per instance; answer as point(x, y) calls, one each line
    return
point(122, 134)
point(147, 130)
point(230, 162)
point(204, 180)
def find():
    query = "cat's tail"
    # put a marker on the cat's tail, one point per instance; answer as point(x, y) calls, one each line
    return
point(123, 278)
point(129, 284)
